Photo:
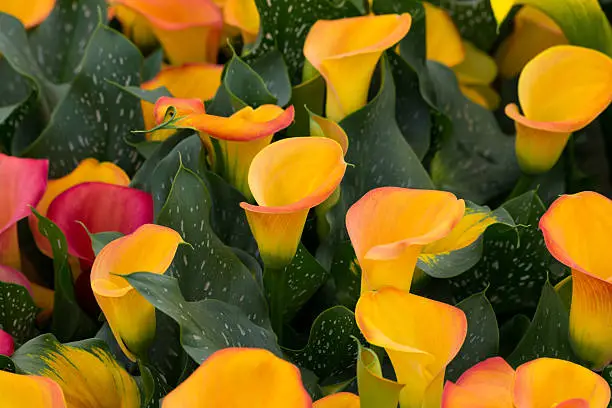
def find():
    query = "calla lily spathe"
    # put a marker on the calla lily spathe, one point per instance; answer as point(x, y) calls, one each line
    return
point(576, 230)
point(243, 15)
point(287, 179)
point(30, 13)
point(20, 391)
point(389, 226)
point(346, 52)
point(338, 400)
point(151, 248)
point(7, 344)
point(561, 91)
point(241, 377)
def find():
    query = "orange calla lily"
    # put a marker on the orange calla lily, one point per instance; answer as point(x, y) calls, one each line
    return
point(190, 81)
point(287, 179)
point(421, 337)
point(30, 13)
point(389, 226)
point(442, 37)
point(549, 382)
point(188, 30)
point(243, 15)
point(20, 391)
point(576, 229)
point(131, 318)
point(561, 91)
point(346, 52)
point(241, 377)
point(339, 400)
point(533, 33)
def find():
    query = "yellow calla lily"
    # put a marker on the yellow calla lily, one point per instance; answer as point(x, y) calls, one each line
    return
point(346, 52)
point(533, 33)
point(338, 400)
point(30, 13)
point(549, 382)
point(374, 390)
point(442, 37)
point(188, 30)
point(189, 81)
point(243, 15)
point(241, 377)
point(389, 226)
point(561, 91)
point(576, 229)
point(421, 337)
point(20, 391)
point(131, 318)
point(287, 179)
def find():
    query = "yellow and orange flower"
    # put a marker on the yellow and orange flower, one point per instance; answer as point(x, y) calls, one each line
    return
point(346, 52)
point(241, 377)
point(338, 400)
point(188, 30)
point(576, 229)
point(561, 91)
point(421, 337)
point(287, 179)
point(131, 317)
point(30, 13)
point(374, 389)
point(20, 391)
point(243, 15)
point(389, 226)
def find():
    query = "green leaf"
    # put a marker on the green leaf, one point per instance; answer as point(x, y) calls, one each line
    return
point(272, 69)
point(346, 273)
point(245, 86)
point(152, 65)
point(474, 19)
point(331, 352)
point(17, 312)
point(69, 322)
point(94, 117)
point(101, 239)
point(311, 95)
point(482, 340)
point(511, 333)
point(207, 325)
point(207, 269)
point(59, 42)
point(548, 334)
point(17, 98)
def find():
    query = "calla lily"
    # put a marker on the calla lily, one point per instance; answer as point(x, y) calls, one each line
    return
point(577, 233)
point(488, 384)
point(243, 15)
point(533, 33)
point(374, 390)
point(20, 391)
point(389, 226)
point(421, 337)
point(346, 52)
point(561, 91)
point(442, 37)
point(87, 171)
point(30, 13)
point(42, 297)
point(287, 179)
point(236, 139)
point(7, 344)
point(10, 275)
point(241, 377)
point(191, 81)
point(339, 400)
point(188, 30)
point(23, 184)
point(150, 248)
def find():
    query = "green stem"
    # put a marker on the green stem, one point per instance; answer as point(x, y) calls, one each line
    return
point(274, 289)
point(522, 186)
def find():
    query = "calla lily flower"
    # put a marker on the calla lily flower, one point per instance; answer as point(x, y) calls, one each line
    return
point(561, 91)
point(30, 13)
point(533, 33)
point(346, 52)
point(374, 390)
point(241, 377)
point(236, 139)
point(243, 15)
point(339, 400)
point(42, 297)
point(287, 179)
point(7, 344)
point(87, 171)
point(190, 81)
point(188, 30)
point(23, 183)
point(576, 229)
point(20, 391)
point(10, 275)
point(389, 226)
point(421, 337)
point(442, 37)
point(131, 318)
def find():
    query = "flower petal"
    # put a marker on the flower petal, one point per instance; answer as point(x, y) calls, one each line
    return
point(7, 344)
point(243, 14)
point(444, 44)
point(241, 377)
point(483, 95)
point(30, 13)
point(338, 400)
point(477, 68)
point(151, 248)
point(20, 391)
point(346, 52)
point(389, 226)
point(11, 275)
point(374, 390)
point(546, 382)
point(323, 127)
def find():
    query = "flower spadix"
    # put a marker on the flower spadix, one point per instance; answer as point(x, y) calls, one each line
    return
point(19, 391)
point(389, 226)
point(561, 91)
point(346, 52)
point(131, 318)
point(287, 179)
